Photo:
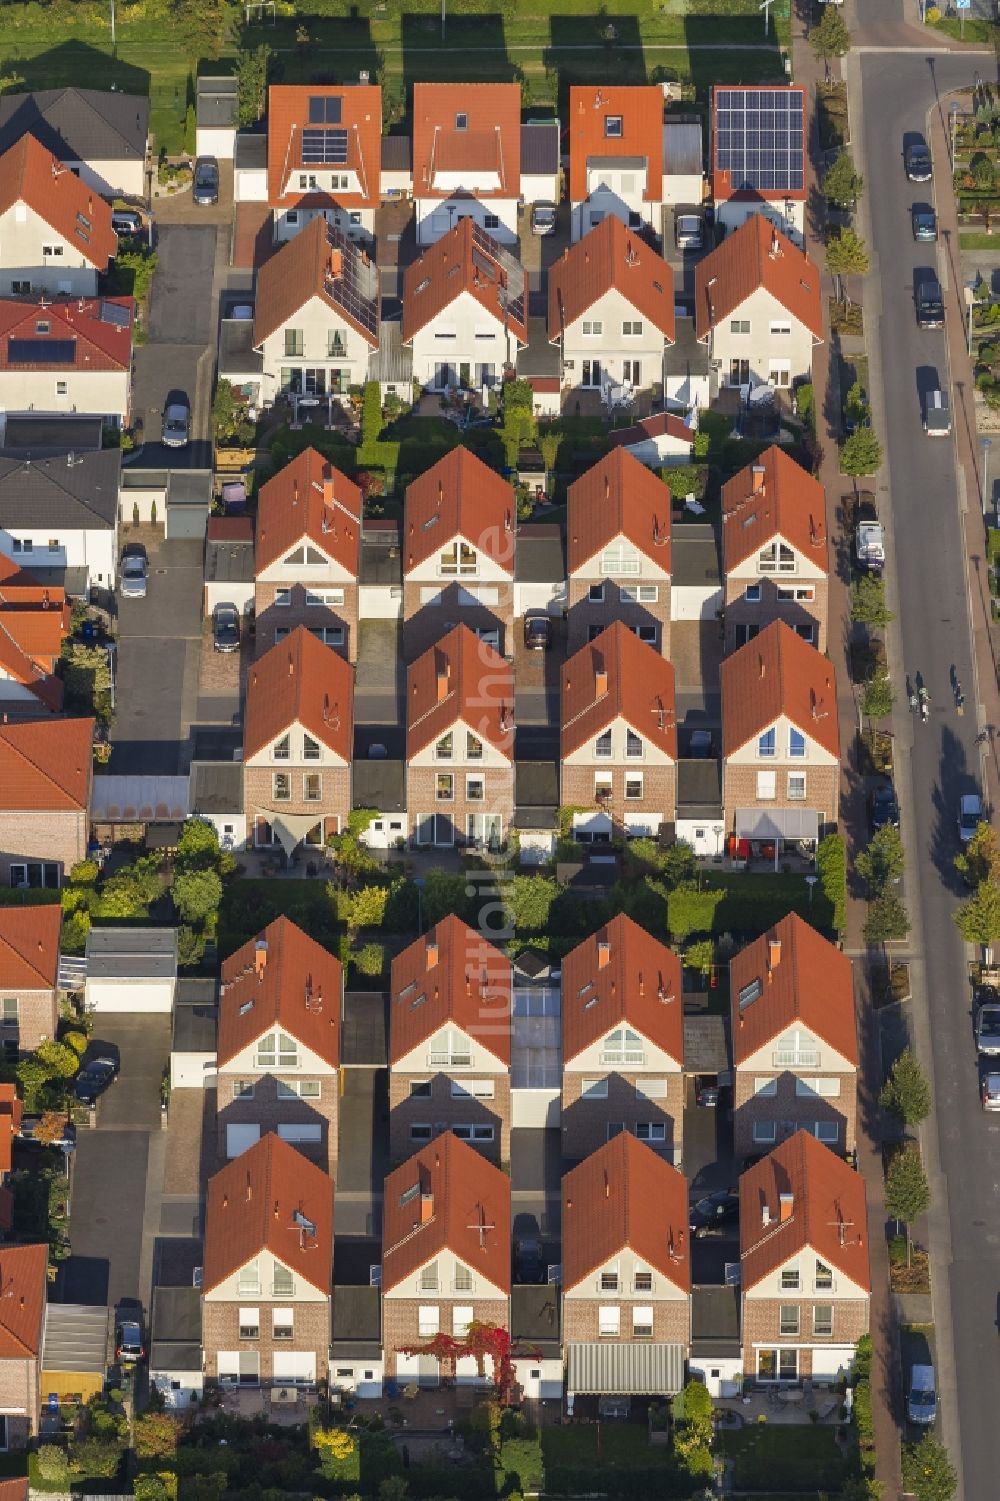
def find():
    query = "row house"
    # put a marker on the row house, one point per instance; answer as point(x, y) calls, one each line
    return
point(618, 552)
point(618, 737)
point(324, 158)
point(458, 554)
point(794, 1040)
point(758, 155)
point(35, 619)
point(450, 1042)
point(24, 1278)
point(67, 355)
point(55, 231)
point(460, 743)
point(775, 556)
point(616, 161)
point(278, 1046)
point(465, 312)
point(758, 307)
point(11, 1115)
point(805, 1278)
point(446, 1260)
point(29, 974)
point(780, 742)
point(611, 311)
point(308, 555)
point(622, 1042)
point(298, 742)
point(268, 1269)
point(466, 158)
point(100, 135)
point(46, 775)
point(316, 316)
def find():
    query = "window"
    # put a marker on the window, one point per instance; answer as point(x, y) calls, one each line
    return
point(62, 387)
point(602, 786)
point(26, 546)
point(282, 1282)
point(249, 1278)
point(633, 787)
point(651, 1089)
point(263, 834)
point(822, 1319)
point(592, 328)
point(473, 747)
point(608, 1281)
point(793, 591)
point(310, 748)
point(767, 743)
point(632, 328)
point(780, 327)
point(642, 1323)
point(282, 1323)
point(633, 744)
point(764, 1132)
point(450, 1049)
point(651, 1131)
point(778, 1365)
point(461, 1318)
point(824, 1278)
point(767, 786)
point(615, 1128)
point(777, 558)
point(608, 1322)
point(642, 1281)
point(827, 1132)
point(475, 789)
point(281, 790)
point(299, 1089)
point(779, 373)
point(739, 325)
point(465, 1132)
point(444, 787)
point(249, 1323)
point(594, 1089)
point(427, 1278)
point(790, 1279)
point(330, 635)
point(602, 746)
point(242, 1088)
point(491, 221)
point(282, 749)
point(788, 1318)
point(445, 747)
point(420, 1089)
point(51, 252)
point(623, 1046)
point(462, 1281)
point(277, 1049)
point(766, 1088)
point(9, 1016)
point(428, 1320)
point(459, 558)
point(796, 786)
point(620, 557)
point(796, 743)
point(420, 1132)
point(828, 1089)
point(477, 1089)
point(31, 874)
point(282, 598)
point(595, 594)
point(643, 594)
point(613, 129)
point(461, 122)
point(294, 346)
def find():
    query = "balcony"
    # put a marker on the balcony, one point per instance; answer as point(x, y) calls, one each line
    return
point(623, 1060)
point(790, 1058)
point(449, 1060)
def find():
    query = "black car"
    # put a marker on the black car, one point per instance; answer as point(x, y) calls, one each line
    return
point(537, 632)
point(924, 222)
point(716, 1211)
point(529, 1263)
point(883, 807)
point(917, 161)
point(206, 180)
point(96, 1074)
point(226, 628)
point(930, 304)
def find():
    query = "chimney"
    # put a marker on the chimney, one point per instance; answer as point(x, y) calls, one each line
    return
point(765, 1216)
point(260, 957)
point(787, 1203)
point(758, 479)
point(773, 955)
point(443, 674)
point(336, 263)
point(431, 952)
point(328, 495)
point(603, 954)
point(601, 683)
point(426, 1208)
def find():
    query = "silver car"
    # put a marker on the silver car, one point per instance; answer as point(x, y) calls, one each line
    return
point(133, 574)
point(990, 1091)
point(543, 219)
point(176, 424)
point(988, 1028)
point(689, 231)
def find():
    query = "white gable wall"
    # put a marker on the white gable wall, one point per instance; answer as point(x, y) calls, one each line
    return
point(24, 239)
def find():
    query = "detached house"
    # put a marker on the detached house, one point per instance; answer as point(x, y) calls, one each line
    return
point(298, 741)
point(466, 158)
point(458, 554)
point(279, 1044)
point(618, 552)
point(55, 232)
point(23, 1275)
point(759, 152)
point(611, 310)
point(615, 155)
point(626, 1273)
point(100, 135)
point(618, 737)
point(268, 1269)
point(794, 1040)
point(804, 1271)
point(780, 742)
point(62, 513)
point(446, 1253)
point(465, 312)
point(316, 318)
point(757, 307)
point(460, 743)
point(29, 970)
point(775, 551)
point(34, 622)
point(67, 356)
point(324, 157)
point(308, 552)
point(622, 1042)
point(46, 770)
point(449, 1042)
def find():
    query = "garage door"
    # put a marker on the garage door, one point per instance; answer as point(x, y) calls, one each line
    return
point(301, 1133)
point(187, 521)
point(240, 1137)
point(116, 999)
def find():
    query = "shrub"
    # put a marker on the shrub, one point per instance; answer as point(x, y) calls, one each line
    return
point(159, 1487)
point(831, 867)
point(84, 873)
point(928, 1473)
point(334, 1443)
point(190, 946)
point(367, 907)
point(197, 894)
point(155, 1435)
point(686, 479)
point(369, 959)
point(53, 1465)
point(96, 1457)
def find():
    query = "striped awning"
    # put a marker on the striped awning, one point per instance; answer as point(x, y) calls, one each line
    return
point(625, 1369)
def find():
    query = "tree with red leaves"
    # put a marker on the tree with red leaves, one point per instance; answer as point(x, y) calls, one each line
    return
point(481, 1341)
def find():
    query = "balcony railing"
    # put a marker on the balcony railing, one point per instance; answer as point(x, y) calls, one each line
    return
point(792, 1058)
point(449, 1060)
point(623, 1060)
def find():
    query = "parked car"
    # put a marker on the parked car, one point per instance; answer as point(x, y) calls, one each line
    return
point(543, 218)
point(917, 161)
point(988, 1024)
point(700, 745)
point(96, 1074)
point(924, 222)
point(176, 423)
point(206, 180)
point(869, 538)
point(689, 231)
point(989, 1090)
point(133, 573)
point(529, 1262)
point(970, 815)
point(537, 632)
point(883, 807)
point(921, 1400)
point(124, 222)
point(716, 1211)
point(706, 1091)
point(937, 415)
point(129, 1347)
point(929, 303)
point(226, 628)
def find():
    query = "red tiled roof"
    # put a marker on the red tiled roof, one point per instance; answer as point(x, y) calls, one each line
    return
point(320, 262)
point(827, 1194)
point(46, 765)
point(300, 681)
point(461, 677)
point(11, 1109)
point(489, 143)
point(30, 174)
point(625, 1195)
point(231, 528)
point(640, 688)
point(773, 497)
point(13, 1490)
point(611, 256)
point(639, 983)
point(283, 978)
point(811, 983)
point(448, 268)
point(469, 500)
point(641, 109)
point(465, 1192)
point(618, 497)
point(24, 1279)
point(29, 947)
point(452, 974)
point(311, 499)
point(26, 636)
point(252, 1206)
point(99, 345)
point(756, 255)
point(723, 187)
point(660, 425)
point(20, 586)
point(360, 115)
point(778, 673)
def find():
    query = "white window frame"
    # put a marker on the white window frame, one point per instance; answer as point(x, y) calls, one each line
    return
point(818, 1332)
point(609, 1321)
point(594, 1089)
point(765, 1089)
point(472, 1089)
point(249, 1323)
point(428, 1320)
point(642, 1321)
point(593, 328)
point(826, 1088)
point(282, 1323)
point(796, 786)
point(765, 1133)
point(767, 786)
point(651, 1131)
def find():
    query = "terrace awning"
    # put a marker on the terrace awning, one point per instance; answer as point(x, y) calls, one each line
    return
point(292, 828)
point(777, 823)
point(628, 1369)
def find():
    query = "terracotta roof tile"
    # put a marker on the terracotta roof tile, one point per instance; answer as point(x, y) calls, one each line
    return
point(231, 528)
point(466, 259)
point(321, 261)
point(13, 1490)
point(32, 175)
point(26, 636)
point(29, 947)
point(24, 1279)
point(812, 982)
point(459, 496)
point(757, 255)
point(661, 424)
point(641, 109)
point(460, 678)
point(778, 673)
point(773, 497)
point(723, 186)
point(288, 114)
point(300, 681)
point(828, 1212)
point(252, 1206)
point(618, 497)
point(309, 499)
point(639, 687)
point(487, 149)
point(625, 1195)
point(99, 344)
point(639, 983)
point(282, 978)
point(451, 975)
point(46, 764)
point(11, 1110)
point(465, 1192)
point(611, 256)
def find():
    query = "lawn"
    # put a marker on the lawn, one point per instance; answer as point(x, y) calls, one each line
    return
point(620, 1446)
point(785, 1455)
point(744, 903)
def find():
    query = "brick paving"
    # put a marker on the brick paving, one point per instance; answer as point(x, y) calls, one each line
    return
point(190, 1158)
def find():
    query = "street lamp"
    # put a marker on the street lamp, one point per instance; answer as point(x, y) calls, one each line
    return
point(985, 444)
point(811, 882)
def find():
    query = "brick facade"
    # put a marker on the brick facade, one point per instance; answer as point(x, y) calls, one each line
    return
point(739, 789)
point(788, 1107)
point(286, 617)
point(585, 1122)
point(442, 1109)
point(267, 1111)
point(400, 1321)
point(760, 1325)
point(332, 809)
point(659, 788)
point(421, 783)
point(424, 625)
point(20, 1400)
point(39, 835)
point(582, 614)
point(220, 1330)
point(37, 1019)
point(671, 1320)
point(738, 612)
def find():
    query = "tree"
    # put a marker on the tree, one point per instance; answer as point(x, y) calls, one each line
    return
point(830, 38)
point(62, 1062)
point(198, 845)
point(50, 1128)
point(928, 1473)
point(882, 861)
point(700, 956)
point(693, 1430)
point(868, 606)
point(907, 1091)
point(887, 920)
point(197, 894)
point(87, 676)
point(983, 172)
point(856, 406)
point(251, 82)
point(878, 697)
point(842, 185)
point(368, 907)
point(229, 416)
point(978, 920)
point(156, 1435)
point(846, 255)
point(861, 453)
point(201, 27)
point(190, 946)
point(907, 1193)
point(980, 859)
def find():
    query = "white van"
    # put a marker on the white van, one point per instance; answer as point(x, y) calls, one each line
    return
point(921, 1402)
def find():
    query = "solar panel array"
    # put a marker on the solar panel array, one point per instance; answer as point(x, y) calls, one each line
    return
point(356, 288)
point(759, 138)
point(324, 109)
point(41, 351)
point(112, 312)
point(324, 147)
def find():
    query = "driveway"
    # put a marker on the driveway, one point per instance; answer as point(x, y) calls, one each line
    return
point(380, 683)
point(159, 656)
point(362, 1159)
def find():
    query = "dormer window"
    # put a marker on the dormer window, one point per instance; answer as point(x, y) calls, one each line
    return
point(613, 128)
point(777, 558)
point(766, 744)
point(42, 328)
point(461, 122)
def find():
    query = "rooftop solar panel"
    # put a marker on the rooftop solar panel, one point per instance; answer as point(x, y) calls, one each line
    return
point(41, 351)
point(112, 312)
point(759, 139)
point(324, 147)
point(324, 109)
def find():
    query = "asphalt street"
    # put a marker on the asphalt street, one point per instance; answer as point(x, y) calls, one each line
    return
point(923, 502)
